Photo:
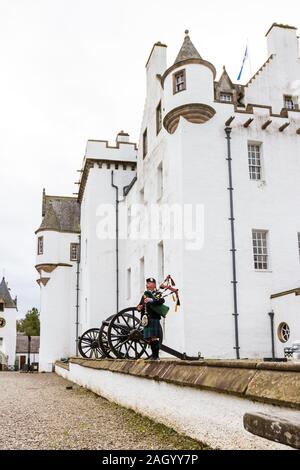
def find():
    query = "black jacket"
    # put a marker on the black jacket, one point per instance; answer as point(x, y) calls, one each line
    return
point(157, 301)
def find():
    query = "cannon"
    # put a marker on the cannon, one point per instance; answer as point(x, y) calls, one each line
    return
point(121, 337)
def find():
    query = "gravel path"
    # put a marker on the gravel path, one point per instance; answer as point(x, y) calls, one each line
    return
point(38, 412)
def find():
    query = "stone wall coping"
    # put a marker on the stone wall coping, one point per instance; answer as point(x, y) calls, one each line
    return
point(63, 365)
point(273, 383)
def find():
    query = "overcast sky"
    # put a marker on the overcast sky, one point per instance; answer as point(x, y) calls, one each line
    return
point(71, 70)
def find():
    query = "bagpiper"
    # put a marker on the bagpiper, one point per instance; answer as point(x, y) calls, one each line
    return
point(152, 309)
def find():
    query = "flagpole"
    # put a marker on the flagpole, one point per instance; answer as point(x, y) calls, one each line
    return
point(249, 57)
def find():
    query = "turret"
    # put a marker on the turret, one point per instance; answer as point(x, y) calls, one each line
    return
point(188, 88)
point(57, 256)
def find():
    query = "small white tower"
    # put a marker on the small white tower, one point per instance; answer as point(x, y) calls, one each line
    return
point(8, 327)
point(188, 88)
point(57, 254)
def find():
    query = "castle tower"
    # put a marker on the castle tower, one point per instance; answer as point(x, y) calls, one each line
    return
point(188, 88)
point(57, 255)
point(8, 329)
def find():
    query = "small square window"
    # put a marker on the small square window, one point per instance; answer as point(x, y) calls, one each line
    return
point(74, 252)
point(291, 102)
point(226, 97)
point(40, 245)
point(179, 81)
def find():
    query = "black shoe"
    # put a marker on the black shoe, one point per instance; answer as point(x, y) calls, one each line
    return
point(150, 358)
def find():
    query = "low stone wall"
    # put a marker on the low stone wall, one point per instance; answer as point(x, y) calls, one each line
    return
point(206, 400)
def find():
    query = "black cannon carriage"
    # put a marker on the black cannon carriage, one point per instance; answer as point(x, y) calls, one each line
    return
point(121, 337)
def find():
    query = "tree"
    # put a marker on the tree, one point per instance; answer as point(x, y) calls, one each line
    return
point(30, 325)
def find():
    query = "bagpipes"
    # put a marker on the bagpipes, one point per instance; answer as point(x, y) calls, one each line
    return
point(169, 285)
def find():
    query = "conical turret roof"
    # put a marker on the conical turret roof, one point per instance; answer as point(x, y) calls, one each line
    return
point(188, 50)
point(5, 295)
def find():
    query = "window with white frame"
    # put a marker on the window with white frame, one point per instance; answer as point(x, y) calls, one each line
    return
point(128, 282)
point(40, 245)
point(284, 332)
point(226, 97)
point(179, 81)
point(260, 250)
point(291, 102)
point(255, 161)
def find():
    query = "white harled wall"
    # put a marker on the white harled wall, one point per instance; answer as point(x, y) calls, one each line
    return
point(98, 255)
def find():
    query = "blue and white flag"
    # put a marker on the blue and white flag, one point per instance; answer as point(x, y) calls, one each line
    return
point(246, 56)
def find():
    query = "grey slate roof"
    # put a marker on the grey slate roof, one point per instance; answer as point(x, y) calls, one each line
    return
point(22, 344)
point(187, 51)
point(61, 214)
point(5, 295)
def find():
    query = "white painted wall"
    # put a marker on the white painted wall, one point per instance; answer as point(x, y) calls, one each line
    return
point(98, 254)
point(281, 75)
point(286, 310)
point(212, 418)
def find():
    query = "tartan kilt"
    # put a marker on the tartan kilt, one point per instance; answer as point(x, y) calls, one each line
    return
point(152, 330)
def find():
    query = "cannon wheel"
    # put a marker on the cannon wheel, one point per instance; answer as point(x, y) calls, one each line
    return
point(125, 335)
point(88, 344)
point(103, 343)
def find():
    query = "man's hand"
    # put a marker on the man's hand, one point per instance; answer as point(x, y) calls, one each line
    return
point(140, 308)
point(148, 300)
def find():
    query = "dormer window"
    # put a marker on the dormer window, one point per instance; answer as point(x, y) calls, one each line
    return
point(179, 81)
point(291, 102)
point(40, 245)
point(226, 97)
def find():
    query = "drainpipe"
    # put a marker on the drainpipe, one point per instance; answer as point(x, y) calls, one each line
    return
point(117, 238)
point(233, 247)
point(271, 315)
point(77, 295)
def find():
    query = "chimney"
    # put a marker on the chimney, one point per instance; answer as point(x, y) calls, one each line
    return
point(122, 137)
point(282, 40)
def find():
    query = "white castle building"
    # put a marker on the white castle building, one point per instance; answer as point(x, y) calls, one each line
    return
point(8, 327)
point(228, 152)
